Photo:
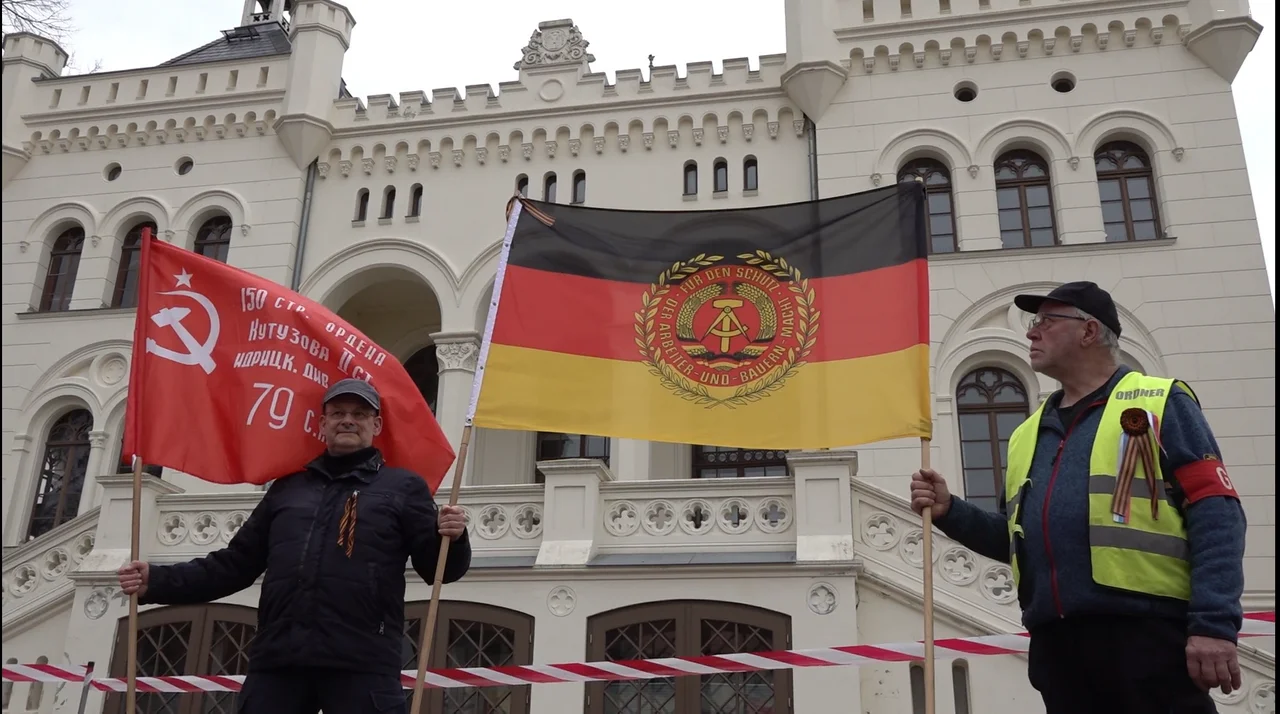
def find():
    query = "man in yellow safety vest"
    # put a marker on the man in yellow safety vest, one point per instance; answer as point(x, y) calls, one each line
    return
point(1125, 534)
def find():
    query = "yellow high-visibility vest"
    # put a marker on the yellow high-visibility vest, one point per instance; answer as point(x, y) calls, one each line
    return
point(1145, 555)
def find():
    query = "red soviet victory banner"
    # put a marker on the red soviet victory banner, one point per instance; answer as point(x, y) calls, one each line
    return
point(229, 371)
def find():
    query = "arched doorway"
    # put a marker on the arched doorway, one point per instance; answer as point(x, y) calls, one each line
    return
point(425, 372)
point(392, 307)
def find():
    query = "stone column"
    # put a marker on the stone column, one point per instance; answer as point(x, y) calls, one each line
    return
point(457, 353)
point(571, 510)
point(16, 463)
point(97, 456)
point(99, 607)
point(824, 504)
point(630, 460)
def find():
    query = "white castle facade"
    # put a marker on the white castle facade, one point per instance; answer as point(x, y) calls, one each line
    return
point(1058, 140)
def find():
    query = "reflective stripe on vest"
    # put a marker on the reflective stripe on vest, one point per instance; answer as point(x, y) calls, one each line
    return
point(1145, 555)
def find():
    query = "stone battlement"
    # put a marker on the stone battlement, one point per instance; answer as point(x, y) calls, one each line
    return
point(554, 89)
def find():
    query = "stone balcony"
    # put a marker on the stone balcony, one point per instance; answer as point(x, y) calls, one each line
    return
point(581, 518)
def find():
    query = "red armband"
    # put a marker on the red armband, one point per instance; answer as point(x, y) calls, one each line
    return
point(1204, 479)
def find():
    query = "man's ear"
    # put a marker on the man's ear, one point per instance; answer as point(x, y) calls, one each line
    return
point(1091, 334)
point(377, 425)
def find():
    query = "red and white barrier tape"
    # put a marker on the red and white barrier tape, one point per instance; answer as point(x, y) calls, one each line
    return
point(1256, 624)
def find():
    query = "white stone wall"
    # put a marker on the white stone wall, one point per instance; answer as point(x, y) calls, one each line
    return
point(1194, 304)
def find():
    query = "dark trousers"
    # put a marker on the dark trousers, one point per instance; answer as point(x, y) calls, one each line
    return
point(1106, 665)
point(311, 690)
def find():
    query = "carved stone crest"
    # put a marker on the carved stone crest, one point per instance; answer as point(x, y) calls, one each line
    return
point(554, 42)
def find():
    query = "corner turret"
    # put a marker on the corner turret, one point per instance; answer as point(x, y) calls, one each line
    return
point(257, 12)
point(320, 34)
point(812, 78)
point(1222, 35)
point(26, 57)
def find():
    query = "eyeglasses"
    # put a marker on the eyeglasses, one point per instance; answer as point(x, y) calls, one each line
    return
point(1040, 320)
point(355, 416)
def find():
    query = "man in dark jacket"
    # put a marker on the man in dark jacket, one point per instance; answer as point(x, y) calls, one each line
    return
point(1129, 570)
point(333, 540)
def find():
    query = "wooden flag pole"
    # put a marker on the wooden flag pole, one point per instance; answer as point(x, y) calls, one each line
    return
point(433, 610)
point(133, 426)
point(135, 528)
point(926, 516)
point(425, 640)
point(927, 553)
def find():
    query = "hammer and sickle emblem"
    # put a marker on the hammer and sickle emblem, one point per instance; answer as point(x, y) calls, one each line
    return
point(726, 326)
point(197, 353)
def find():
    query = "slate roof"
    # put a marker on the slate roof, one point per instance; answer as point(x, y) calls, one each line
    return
point(242, 43)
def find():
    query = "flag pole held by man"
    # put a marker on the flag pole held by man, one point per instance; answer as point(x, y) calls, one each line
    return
point(238, 380)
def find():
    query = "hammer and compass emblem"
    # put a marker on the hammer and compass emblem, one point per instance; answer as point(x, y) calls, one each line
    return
point(198, 353)
point(727, 332)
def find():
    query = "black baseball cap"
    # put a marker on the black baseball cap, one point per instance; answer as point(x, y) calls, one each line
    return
point(1081, 294)
point(355, 388)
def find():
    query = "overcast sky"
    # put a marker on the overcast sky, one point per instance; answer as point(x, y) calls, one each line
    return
point(403, 45)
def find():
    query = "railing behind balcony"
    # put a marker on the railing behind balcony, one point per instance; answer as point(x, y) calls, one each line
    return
point(698, 514)
point(503, 520)
point(41, 566)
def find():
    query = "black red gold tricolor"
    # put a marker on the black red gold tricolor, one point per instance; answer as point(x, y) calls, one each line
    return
point(805, 325)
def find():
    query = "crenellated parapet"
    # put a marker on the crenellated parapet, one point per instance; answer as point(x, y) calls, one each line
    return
point(1065, 31)
point(555, 77)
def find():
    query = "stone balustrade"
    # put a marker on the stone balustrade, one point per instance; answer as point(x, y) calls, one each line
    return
point(890, 541)
point(36, 572)
point(580, 512)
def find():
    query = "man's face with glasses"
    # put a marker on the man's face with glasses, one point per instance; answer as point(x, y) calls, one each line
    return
point(1055, 332)
point(349, 424)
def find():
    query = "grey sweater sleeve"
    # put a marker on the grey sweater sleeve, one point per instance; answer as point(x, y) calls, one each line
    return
point(1214, 517)
point(983, 532)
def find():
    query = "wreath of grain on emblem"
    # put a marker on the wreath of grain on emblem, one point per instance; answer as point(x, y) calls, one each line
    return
point(754, 391)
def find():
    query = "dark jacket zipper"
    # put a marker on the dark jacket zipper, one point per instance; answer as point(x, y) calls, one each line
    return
point(306, 545)
point(1044, 516)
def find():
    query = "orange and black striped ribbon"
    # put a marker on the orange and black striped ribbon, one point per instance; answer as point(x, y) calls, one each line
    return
point(347, 526)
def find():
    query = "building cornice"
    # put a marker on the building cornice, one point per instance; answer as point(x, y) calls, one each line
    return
point(1004, 255)
point(462, 120)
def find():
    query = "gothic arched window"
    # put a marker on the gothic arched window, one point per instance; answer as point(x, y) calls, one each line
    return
point(213, 240)
point(1024, 200)
point(64, 263)
point(126, 293)
point(990, 404)
point(937, 190)
point(62, 473)
point(1127, 188)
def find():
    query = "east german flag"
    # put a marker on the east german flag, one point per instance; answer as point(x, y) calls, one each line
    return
point(796, 326)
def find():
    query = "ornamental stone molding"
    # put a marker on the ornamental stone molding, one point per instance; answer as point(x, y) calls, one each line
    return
point(823, 598)
point(457, 351)
point(201, 528)
point(98, 603)
point(561, 601)
point(734, 516)
point(889, 536)
point(495, 521)
point(556, 42)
